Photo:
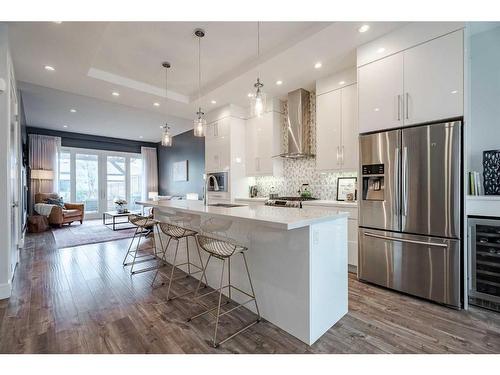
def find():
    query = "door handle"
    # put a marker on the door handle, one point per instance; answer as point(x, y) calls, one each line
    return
point(405, 181)
point(416, 242)
point(397, 181)
point(399, 107)
point(406, 106)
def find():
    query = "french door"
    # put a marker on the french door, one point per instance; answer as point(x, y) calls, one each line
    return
point(97, 178)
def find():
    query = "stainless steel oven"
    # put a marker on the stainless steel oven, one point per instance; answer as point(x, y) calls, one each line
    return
point(222, 182)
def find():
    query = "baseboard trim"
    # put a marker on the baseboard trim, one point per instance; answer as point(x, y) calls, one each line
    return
point(353, 269)
point(5, 290)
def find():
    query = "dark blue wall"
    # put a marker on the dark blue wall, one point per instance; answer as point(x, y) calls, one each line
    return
point(185, 146)
point(94, 142)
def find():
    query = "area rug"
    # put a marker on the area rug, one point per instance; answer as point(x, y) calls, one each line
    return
point(91, 231)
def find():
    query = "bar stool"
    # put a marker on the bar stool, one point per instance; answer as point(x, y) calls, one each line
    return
point(223, 250)
point(144, 226)
point(176, 233)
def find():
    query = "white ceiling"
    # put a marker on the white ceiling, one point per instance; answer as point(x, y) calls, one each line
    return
point(93, 59)
point(50, 108)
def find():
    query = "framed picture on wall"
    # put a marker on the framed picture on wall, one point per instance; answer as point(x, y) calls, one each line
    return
point(346, 188)
point(180, 171)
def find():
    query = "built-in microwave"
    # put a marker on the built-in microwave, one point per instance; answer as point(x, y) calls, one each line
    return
point(221, 178)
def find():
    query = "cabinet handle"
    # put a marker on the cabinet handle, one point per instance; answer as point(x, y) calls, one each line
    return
point(337, 155)
point(407, 116)
point(216, 129)
point(399, 107)
point(342, 155)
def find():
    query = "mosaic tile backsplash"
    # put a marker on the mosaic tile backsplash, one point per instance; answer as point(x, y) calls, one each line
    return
point(301, 171)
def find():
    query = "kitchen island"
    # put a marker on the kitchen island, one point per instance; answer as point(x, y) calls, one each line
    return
point(297, 259)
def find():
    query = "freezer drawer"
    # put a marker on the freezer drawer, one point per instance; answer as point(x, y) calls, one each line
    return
point(423, 266)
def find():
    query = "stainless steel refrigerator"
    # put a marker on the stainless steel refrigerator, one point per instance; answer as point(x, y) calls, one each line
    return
point(410, 209)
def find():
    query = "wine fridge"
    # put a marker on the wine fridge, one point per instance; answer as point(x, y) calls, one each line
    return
point(484, 261)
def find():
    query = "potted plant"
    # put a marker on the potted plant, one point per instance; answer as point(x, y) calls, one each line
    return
point(120, 205)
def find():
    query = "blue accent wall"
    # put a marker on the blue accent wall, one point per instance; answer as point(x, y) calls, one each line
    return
point(185, 146)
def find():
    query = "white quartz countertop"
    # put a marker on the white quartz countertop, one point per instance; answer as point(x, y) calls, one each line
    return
point(319, 202)
point(278, 217)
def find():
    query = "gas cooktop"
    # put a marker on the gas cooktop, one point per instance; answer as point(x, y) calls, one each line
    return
point(295, 198)
point(288, 201)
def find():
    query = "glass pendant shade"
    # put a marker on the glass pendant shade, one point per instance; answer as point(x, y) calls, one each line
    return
point(166, 139)
point(258, 105)
point(199, 125)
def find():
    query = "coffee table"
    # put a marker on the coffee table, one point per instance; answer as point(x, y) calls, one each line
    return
point(113, 224)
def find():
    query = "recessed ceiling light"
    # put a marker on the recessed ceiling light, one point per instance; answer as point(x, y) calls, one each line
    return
point(381, 49)
point(454, 91)
point(65, 126)
point(364, 28)
point(58, 22)
point(213, 102)
point(115, 93)
point(250, 95)
point(377, 109)
point(318, 65)
point(279, 83)
point(141, 137)
point(72, 110)
point(156, 104)
point(341, 82)
point(49, 68)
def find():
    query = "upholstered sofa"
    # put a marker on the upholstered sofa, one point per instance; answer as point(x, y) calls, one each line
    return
point(58, 215)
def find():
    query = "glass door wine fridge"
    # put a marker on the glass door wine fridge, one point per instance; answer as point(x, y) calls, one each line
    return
point(484, 261)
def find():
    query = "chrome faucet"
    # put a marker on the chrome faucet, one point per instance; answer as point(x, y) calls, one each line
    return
point(205, 188)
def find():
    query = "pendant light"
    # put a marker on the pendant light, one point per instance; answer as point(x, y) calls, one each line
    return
point(200, 122)
point(258, 104)
point(166, 138)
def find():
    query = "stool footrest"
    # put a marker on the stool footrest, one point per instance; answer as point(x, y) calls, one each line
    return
point(148, 268)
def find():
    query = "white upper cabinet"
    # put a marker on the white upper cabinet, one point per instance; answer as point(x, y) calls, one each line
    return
point(349, 146)
point(262, 144)
point(218, 129)
point(420, 84)
point(380, 91)
point(328, 130)
point(433, 79)
point(337, 130)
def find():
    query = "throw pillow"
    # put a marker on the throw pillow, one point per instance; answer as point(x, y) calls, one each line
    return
point(56, 201)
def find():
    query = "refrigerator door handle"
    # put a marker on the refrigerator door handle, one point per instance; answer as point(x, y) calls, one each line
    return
point(397, 181)
point(405, 181)
point(368, 234)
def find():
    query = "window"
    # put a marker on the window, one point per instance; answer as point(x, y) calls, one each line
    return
point(135, 182)
point(96, 178)
point(65, 175)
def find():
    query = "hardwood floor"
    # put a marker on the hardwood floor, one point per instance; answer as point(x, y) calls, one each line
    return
point(81, 300)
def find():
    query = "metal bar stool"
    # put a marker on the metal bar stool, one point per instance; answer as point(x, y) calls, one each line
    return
point(224, 250)
point(144, 226)
point(176, 233)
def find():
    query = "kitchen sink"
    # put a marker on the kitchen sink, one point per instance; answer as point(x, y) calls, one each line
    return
point(227, 205)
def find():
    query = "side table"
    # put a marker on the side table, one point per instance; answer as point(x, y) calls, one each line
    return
point(38, 224)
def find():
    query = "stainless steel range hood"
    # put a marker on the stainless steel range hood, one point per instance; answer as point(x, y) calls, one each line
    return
point(298, 125)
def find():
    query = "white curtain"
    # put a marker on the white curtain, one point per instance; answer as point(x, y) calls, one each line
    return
point(149, 171)
point(43, 154)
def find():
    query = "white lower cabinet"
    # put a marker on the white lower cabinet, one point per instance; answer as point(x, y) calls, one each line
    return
point(352, 227)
